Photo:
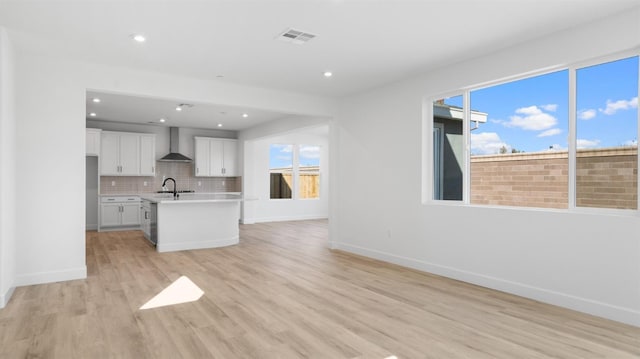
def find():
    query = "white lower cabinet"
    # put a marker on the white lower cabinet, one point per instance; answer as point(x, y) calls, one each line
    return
point(119, 211)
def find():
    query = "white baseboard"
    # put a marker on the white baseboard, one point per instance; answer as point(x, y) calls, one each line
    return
point(5, 297)
point(282, 219)
point(182, 246)
point(50, 277)
point(585, 305)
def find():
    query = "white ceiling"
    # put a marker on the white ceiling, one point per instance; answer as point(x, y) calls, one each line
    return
point(365, 43)
point(145, 110)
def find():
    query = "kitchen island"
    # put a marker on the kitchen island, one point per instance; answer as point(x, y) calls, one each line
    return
point(195, 221)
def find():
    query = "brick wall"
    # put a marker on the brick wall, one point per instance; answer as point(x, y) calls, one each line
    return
point(605, 178)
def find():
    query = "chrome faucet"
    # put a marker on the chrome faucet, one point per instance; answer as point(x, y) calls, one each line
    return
point(175, 193)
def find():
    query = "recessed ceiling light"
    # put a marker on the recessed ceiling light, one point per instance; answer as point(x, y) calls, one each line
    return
point(245, 115)
point(219, 125)
point(96, 100)
point(92, 114)
point(179, 108)
point(139, 38)
point(162, 120)
point(328, 74)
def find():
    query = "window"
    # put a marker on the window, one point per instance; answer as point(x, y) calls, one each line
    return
point(606, 139)
point(294, 171)
point(563, 139)
point(281, 171)
point(519, 153)
point(448, 148)
point(309, 172)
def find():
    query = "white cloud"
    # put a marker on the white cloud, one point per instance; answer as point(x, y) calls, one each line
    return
point(631, 143)
point(531, 118)
point(487, 143)
point(283, 148)
point(581, 143)
point(586, 114)
point(310, 152)
point(615, 106)
point(551, 132)
point(552, 107)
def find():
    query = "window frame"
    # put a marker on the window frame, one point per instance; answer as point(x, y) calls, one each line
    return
point(295, 172)
point(428, 185)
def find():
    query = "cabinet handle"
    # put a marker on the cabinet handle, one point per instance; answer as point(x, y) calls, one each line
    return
point(153, 169)
point(197, 170)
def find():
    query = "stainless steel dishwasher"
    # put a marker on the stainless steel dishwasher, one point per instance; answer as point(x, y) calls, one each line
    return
point(153, 223)
point(150, 221)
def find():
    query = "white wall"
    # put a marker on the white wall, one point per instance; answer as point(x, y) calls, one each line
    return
point(588, 262)
point(7, 170)
point(258, 207)
point(50, 155)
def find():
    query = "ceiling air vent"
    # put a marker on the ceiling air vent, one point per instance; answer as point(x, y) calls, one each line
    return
point(295, 36)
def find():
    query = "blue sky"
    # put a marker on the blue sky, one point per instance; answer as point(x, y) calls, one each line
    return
point(531, 115)
point(281, 155)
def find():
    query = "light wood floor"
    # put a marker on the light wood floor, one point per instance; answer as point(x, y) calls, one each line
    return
point(281, 293)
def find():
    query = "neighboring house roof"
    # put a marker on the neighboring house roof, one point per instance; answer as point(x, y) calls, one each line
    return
point(455, 113)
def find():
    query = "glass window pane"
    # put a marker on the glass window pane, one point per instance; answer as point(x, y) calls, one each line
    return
point(281, 170)
point(448, 149)
point(606, 139)
point(309, 172)
point(519, 152)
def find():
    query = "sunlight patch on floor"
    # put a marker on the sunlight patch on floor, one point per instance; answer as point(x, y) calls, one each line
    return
point(183, 290)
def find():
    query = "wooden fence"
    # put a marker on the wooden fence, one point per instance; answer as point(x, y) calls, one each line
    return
point(282, 185)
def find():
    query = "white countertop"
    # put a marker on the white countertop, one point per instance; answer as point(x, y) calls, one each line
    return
point(192, 197)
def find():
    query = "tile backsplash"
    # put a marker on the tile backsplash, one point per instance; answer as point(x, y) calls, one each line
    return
point(180, 171)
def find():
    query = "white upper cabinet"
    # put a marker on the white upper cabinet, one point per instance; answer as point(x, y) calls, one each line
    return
point(93, 142)
point(147, 155)
point(230, 157)
point(202, 156)
point(127, 154)
point(215, 157)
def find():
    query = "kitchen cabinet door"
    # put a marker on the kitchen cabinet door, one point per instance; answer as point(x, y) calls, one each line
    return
point(216, 158)
point(130, 214)
point(202, 156)
point(230, 158)
point(147, 155)
point(110, 214)
point(109, 154)
point(129, 151)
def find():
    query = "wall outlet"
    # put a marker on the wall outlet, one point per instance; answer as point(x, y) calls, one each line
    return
point(389, 233)
point(199, 183)
point(144, 183)
point(223, 183)
point(113, 183)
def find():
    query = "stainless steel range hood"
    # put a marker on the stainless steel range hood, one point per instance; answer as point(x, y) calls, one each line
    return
point(174, 141)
